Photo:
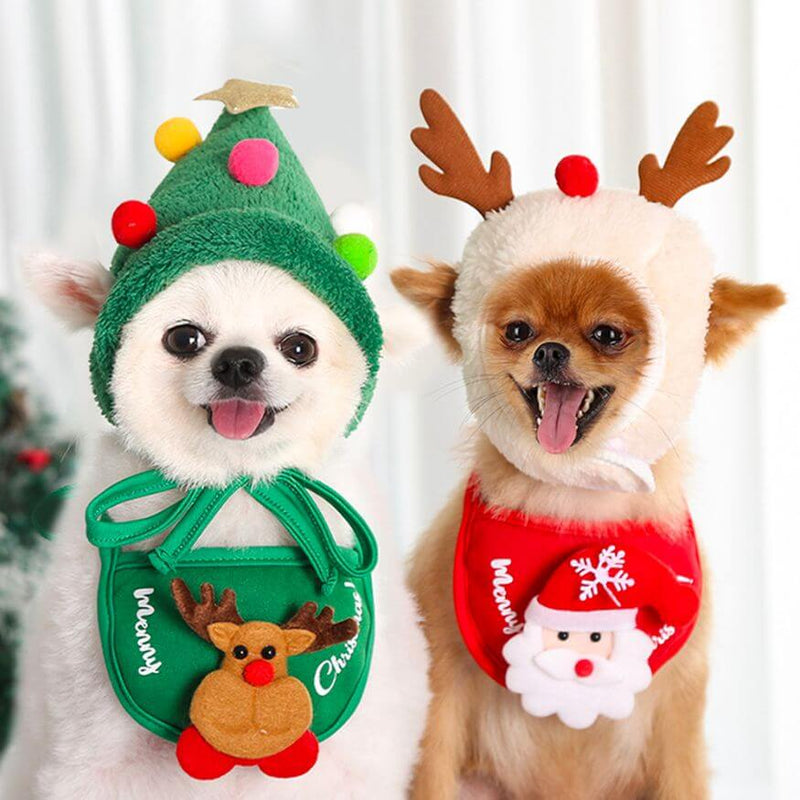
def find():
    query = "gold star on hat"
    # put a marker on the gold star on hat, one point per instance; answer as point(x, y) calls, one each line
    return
point(239, 96)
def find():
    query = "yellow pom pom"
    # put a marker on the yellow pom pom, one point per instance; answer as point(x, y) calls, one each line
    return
point(176, 137)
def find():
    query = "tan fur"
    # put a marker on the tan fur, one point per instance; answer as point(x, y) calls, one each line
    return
point(475, 725)
point(432, 291)
point(736, 308)
point(564, 302)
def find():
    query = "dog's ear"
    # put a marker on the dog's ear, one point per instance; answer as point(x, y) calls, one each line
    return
point(73, 290)
point(736, 309)
point(432, 291)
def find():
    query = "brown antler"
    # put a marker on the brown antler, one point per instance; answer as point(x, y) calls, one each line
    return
point(462, 176)
point(198, 616)
point(323, 627)
point(687, 165)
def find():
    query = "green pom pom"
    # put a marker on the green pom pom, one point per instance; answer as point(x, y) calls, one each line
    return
point(358, 251)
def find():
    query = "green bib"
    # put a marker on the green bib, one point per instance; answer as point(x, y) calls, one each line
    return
point(155, 661)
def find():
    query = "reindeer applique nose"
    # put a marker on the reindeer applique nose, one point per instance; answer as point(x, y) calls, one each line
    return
point(259, 672)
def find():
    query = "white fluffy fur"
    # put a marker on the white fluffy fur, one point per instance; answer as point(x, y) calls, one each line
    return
point(664, 257)
point(72, 290)
point(73, 739)
point(158, 399)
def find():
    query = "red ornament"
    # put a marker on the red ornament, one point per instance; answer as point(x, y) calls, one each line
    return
point(576, 176)
point(35, 459)
point(134, 223)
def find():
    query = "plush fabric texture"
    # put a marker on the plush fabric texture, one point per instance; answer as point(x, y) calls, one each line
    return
point(230, 713)
point(251, 707)
point(462, 175)
point(359, 251)
point(175, 137)
point(253, 162)
point(668, 263)
point(205, 216)
point(201, 761)
point(505, 561)
point(576, 176)
point(133, 223)
point(605, 586)
point(689, 163)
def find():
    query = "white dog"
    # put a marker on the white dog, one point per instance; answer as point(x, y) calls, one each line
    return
point(73, 739)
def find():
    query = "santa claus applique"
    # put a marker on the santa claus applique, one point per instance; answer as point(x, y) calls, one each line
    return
point(584, 650)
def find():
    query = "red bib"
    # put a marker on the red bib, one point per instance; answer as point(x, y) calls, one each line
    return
point(503, 559)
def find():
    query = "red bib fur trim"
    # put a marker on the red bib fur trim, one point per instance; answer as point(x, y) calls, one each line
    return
point(504, 562)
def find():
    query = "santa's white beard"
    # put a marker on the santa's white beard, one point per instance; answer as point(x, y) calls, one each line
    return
point(547, 681)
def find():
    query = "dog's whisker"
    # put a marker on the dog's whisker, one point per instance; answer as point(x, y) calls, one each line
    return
point(660, 427)
point(451, 386)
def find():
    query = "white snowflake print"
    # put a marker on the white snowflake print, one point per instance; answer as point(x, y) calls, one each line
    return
point(602, 576)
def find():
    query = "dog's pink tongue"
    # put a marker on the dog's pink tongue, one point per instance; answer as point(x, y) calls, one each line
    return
point(559, 425)
point(236, 419)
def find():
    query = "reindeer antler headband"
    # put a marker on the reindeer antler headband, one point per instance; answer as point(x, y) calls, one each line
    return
point(463, 176)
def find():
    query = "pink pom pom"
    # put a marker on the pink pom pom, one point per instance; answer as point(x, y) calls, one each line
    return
point(253, 162)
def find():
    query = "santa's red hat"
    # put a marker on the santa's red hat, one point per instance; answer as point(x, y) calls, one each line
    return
point(604, 588)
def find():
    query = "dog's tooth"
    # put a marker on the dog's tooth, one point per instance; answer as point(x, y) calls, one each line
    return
point(587, 401)
point(580, 413)
point(538, 420)
point(540, 395)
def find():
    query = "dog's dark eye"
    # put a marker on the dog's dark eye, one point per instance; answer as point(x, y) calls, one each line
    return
point(268, 652)
point(240, 651)
point(298, 349)
point(607, 336)
point(184, 340)
point(518, 331)
point(563, 636)
point(596, 637)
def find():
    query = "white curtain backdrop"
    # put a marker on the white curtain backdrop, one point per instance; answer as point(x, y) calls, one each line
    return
point(84, 83)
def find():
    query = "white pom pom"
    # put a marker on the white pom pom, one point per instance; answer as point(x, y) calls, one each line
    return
point(353, 218)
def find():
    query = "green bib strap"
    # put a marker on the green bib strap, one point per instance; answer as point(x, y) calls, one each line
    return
point(102, 531)
point(194, 521)
point(287, 497)
point(361, 531)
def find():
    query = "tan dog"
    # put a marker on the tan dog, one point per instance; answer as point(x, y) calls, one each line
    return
point(583, 319)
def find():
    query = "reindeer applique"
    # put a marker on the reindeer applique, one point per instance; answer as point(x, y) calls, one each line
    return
point(250, 711)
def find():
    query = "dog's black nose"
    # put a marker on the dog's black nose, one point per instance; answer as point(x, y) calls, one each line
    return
point(237, 366)
point(550, 357)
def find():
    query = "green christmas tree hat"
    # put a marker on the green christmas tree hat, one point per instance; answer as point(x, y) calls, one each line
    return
point(240, 194)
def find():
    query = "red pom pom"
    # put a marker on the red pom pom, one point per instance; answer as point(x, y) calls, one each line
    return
point(576, 176)
point(295, 760)
point(584, 668)
point(134, 223)
point(199, 759)
point(35, 459)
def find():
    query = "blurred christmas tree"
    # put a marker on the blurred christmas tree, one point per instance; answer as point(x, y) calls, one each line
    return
point(33, 463)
